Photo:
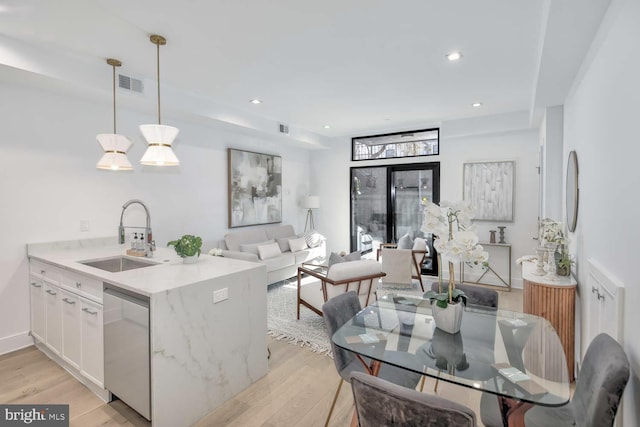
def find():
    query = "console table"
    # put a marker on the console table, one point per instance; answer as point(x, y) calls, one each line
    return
point(507, 281)
point(554, 299)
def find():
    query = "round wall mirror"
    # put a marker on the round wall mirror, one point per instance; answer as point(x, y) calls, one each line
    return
point(573, 192)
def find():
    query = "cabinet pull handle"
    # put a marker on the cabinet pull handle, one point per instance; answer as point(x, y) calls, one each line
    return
point(86, 310)
point(78, 284)
point(35, 285)
point(68, 301)
point(596, 291)
point(50, 292)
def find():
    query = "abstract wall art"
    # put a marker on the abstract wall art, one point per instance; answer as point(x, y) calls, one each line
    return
point(255, 188)
point(489, 187)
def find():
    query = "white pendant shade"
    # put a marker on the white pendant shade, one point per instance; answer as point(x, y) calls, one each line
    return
point(115, 149)
point(159, 152)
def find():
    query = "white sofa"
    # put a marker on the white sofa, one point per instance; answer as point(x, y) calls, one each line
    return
point(257, 245)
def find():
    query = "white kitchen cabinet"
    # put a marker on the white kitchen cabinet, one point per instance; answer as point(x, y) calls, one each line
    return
point(92, 345)
point(53, 309)
point(66, 316)
point(71, 328)
point(38, 321)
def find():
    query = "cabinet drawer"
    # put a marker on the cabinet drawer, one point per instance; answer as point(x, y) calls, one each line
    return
point(44, 270)
point(83, 285)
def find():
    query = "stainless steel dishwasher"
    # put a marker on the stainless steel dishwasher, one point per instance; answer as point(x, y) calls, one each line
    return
point(126, 348)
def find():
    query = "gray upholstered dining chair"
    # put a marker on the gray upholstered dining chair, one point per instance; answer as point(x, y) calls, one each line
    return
point(338, 311)
point(477, 296)
point(599, 388)
point(381, 403)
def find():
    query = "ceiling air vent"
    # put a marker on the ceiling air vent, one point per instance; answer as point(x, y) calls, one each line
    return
point(283, 129)
point(129, 83)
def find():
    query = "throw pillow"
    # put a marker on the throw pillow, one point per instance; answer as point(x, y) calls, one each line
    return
point(270, 250)
point(252, 248)
point(283, 242)
point(297, 244)
point(313, 238)
point(419, 244)
point(336, 258)
point(405, 242)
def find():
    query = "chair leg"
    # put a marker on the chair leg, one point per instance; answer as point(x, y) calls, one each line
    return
point(333, 404)
point(424, 379)
point(435, 387)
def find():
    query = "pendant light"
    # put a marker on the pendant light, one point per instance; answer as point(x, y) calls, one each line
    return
point(159, 137)
point(115, 146)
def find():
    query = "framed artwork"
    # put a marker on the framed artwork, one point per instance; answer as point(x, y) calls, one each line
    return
point(255, 188)
point(489, 187)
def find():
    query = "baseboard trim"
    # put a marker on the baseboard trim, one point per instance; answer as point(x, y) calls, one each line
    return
point(15, 342)
point(102, 393)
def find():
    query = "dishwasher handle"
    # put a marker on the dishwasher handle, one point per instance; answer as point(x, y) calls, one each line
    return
point(126, 295)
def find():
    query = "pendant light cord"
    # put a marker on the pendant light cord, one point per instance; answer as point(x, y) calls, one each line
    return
point(114, 99)
point(114, 63)
point(158, 66)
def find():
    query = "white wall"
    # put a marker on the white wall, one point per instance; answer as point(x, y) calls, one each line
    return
point(601, 116)
point(49, 183)
point(458, 145)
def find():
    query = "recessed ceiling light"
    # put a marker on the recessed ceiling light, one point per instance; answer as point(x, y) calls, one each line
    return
point(255, 101)
point(476, 104)
point(454, 56)
point(327, 126)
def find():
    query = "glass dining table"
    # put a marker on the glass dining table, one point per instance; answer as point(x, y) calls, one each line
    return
point(516, 356)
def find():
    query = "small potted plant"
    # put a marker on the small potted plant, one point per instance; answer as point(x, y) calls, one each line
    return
point(563, 263)
point(187, 247)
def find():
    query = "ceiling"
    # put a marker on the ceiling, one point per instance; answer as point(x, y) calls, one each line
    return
point(360, 66)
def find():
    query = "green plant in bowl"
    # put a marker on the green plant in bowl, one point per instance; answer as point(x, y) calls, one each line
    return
point(187, 245)
point(563, 264)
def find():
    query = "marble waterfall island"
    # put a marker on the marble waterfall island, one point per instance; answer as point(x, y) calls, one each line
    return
point(201, 353)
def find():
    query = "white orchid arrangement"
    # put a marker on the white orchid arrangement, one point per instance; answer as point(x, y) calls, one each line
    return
point(551, 232)
point(456, 241)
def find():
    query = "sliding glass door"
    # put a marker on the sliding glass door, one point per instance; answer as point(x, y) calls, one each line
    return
point(386, 204)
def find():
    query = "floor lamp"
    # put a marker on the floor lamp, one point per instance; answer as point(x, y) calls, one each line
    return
point(310, 203)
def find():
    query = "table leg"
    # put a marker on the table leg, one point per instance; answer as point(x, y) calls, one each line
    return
point(513, 411)
point(354, 419)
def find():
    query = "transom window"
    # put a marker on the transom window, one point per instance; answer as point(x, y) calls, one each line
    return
point(416, 143)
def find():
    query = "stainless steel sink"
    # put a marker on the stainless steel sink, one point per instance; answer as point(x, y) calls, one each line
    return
point(117, 264)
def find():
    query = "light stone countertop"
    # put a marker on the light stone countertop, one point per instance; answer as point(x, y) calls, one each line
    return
point(170, 273)
point(528, 273)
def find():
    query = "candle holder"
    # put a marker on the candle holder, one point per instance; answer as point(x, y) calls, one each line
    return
point(551, 260)
point(501, 228)
point(540, 262)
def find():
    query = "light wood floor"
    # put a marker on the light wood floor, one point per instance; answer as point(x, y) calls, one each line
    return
point(296, 392)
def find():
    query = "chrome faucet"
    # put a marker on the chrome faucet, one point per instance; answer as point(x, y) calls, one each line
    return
point(149, 244)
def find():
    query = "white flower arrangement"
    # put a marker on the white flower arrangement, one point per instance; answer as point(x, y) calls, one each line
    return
point(551, 232)
point(456, 238)
point(456, 241)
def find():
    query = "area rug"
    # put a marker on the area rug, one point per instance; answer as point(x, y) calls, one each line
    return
point(309, 331)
